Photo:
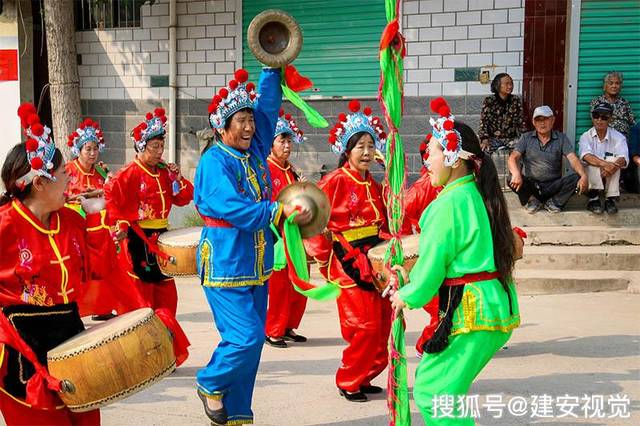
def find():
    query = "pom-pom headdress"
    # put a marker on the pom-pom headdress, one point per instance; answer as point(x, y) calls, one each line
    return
point(40, 147)
point(443, 131)
point(153, 126)
point(350, 124)
point(286, 125)
point(239, 94)
point(87, 131)
point(424, 150)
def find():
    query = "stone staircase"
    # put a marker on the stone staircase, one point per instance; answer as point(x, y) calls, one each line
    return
point(577, 251)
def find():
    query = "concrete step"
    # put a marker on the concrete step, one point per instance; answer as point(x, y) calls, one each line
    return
point(626, 216)
point(580, 258)
point(581, 235)
point(577, 202)
point(536, 281)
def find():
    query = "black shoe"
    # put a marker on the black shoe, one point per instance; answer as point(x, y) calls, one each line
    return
point(103, 317)
point(552, 207)
point(291, 336)
point(594, 206)
point(276, 343)
point(610, 206)
point(533, 206)
point(370, 389)
point(218, 417)
point(353, 396)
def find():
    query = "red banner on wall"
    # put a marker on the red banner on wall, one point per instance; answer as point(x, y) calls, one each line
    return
point(8, 64)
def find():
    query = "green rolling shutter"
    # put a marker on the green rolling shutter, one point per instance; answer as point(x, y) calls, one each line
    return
point(609, 41)
point(340, 48)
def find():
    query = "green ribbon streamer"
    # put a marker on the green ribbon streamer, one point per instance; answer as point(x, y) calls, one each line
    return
point(313, 117)
point(298, 257)
point(391, 93)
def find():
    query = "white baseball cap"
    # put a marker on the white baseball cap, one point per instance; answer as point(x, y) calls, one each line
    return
point(543, 111)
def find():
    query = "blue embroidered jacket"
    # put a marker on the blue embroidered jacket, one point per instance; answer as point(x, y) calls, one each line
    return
point(234, 187)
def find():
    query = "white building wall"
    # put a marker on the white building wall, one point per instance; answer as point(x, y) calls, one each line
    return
point(446, 34)
point(118, 63)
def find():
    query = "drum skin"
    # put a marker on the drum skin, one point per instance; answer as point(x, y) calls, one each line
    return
point(113, 360)
point(182, 245)
point(376, 257)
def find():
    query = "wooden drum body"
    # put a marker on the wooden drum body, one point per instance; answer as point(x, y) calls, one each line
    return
point(112, 360)
point(381, 274)
point(181, 245)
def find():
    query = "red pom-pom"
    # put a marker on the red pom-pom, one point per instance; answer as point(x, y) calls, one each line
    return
point(223, 93)
point(339, 126)
point(75, 134)
point(332, 139)
point(287, 116)
point(342, 116)
point(428, 137)
point(212, 108)
point(233, 84)
point(448, 125)
point(36, 163)
point(163, 119)
point(88, 122)
point(143, 126)
point(423, 147)
point(300, 132)
point(31, 145)
point(444, 111)
point(33, 119)
point(159, 112)
point(382, 135)
point(354, 105)
point(281, 112)
point(452, 145)
point(252, 96)
point(251, 87)
point(26, 109)
point(436, 103)
point(241, 75)
point(70, 143)
point(37, 129)
point(367, 111)
point(149, 116)
point(81, 126)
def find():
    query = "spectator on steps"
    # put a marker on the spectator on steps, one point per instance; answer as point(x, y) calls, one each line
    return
point(623, 118)
point(541, 151)
point(501, 119)
point(605, 151)
point(631, 175)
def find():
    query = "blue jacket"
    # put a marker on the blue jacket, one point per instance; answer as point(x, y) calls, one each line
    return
point(235, 186)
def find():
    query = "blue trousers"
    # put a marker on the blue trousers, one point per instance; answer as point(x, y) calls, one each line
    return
point(239, 314)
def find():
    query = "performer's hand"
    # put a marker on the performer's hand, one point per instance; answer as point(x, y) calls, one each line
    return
point(119, 235)
point(303, 216)
point(397, 304)
point(173, 168)
point(92, 205)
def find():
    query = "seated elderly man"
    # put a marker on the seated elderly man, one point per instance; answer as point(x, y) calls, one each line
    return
point(605, 151)
point(541, 151)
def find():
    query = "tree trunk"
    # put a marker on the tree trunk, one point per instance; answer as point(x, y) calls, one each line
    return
point(64, 83)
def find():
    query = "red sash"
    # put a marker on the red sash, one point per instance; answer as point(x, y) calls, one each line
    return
point(470, 278)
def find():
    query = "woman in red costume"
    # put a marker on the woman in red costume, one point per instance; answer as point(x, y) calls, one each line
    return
point(139, 199)
point(86, 175)
point(286, 306)
point(358, 217)
point(48, 254)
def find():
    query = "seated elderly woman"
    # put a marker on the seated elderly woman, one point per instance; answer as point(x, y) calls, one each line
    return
point(623, 118)
point(501, 119)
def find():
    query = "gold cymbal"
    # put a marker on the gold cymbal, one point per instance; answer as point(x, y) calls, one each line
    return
point(307, 194)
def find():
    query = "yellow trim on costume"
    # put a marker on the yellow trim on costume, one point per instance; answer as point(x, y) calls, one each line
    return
point(206, 266)
point(247, 421)
point(76, 207)
point(64, 273)
point(223, 147)
point(76, 163)
point(284, 169)
point(278, 215)
point(367, 185)
point(133, 275)
point(160, 191)
point(154, 223)
point(260, 281)
point(121, 221)
point(135, 160)
point(359, 233)
point(103, 225)
point(469, 309)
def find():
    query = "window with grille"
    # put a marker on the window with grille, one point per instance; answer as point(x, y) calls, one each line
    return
point(104, 14)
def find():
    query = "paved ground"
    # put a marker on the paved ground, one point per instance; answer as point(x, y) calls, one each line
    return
point(568, 344)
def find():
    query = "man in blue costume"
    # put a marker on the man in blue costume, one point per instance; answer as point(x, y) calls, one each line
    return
point(235, 255)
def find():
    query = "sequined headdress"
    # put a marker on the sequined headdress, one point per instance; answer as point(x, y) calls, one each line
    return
point(286, 125)
point(350, 124)
point(40, 148)
point(87, 131)
point(153, 126)
point(239, 94)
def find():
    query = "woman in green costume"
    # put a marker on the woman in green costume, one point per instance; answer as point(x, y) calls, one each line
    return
point(466, 256)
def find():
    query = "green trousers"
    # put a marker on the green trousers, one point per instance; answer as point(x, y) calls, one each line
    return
point(452, 371)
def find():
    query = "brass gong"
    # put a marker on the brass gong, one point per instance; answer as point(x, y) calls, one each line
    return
point(308, 195)
point(274, 37)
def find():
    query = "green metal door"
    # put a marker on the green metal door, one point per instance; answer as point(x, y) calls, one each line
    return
point(340, 49)
point(609, 41)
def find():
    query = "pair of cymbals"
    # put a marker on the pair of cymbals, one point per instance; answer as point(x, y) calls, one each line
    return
point(306, 194)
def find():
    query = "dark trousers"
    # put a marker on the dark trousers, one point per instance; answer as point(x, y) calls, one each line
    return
point(560, 190)
point(631, 178)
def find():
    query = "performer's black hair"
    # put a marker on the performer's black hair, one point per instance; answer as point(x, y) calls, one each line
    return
point(15, 166)
point(494, 201)
point(351, 143)
point(216, 135)
point(495, 83)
